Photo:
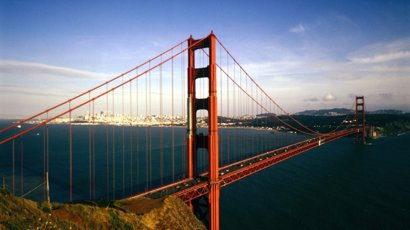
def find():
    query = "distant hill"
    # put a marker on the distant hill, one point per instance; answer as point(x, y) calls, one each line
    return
point(326, 112)
point(386, 111)
point(344, 111)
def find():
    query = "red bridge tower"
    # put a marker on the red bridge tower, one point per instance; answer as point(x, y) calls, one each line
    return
point(360, 120)
point(210, 141)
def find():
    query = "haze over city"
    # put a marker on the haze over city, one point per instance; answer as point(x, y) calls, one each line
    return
point(306, 54)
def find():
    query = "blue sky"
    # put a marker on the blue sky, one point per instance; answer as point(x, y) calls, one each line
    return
point(307, 54)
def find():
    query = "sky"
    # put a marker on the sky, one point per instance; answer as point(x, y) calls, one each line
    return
point(306, 54)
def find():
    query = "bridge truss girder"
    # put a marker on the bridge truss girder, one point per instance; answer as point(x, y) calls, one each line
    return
point(263, 161)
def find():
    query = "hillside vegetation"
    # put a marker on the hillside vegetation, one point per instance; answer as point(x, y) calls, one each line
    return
point(142, 213)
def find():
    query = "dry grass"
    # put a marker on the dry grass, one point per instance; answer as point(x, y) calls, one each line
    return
point(140, 206)
point(142, 213)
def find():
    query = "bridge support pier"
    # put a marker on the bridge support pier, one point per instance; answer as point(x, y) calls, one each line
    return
point(196, 141)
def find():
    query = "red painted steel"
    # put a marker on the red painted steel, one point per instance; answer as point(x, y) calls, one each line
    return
point(213, 138)
point(267, 95)
point(262, 161)
point(259, 103)
point(264, 108)
point(196, 186)
point(89, 91)
point(211, 104)
point(48, 120)
point(203, 188)
point(191, 110)
point(269, 161)
point(360, 120)
point(192, 193)
point(159, 189)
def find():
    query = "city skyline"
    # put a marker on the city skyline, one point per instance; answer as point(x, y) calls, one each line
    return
point(314, 55)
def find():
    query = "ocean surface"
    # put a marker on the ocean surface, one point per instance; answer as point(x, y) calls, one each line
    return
point(340, 185)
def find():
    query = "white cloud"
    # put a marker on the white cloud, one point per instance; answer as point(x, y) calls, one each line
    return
point(290, 70)
point(329, 97)
point(19, 90)
point(385, 57)
point(298, 29)
point(35, 86)
point(397, 50)
point(18, 68)
point(379, 71)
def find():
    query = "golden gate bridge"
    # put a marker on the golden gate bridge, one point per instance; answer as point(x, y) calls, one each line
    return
point(186, 123)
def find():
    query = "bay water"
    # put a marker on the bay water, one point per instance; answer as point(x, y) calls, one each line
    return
point(339, 185)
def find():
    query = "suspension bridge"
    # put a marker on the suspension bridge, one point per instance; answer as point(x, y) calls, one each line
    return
point(186, 123)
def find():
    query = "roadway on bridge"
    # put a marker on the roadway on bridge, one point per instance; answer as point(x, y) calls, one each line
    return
point(189, 189)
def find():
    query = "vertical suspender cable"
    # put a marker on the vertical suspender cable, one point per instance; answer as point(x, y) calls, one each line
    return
point(12, 162)
point(184, 106)
point(234, 112)
point(47, 159)
point(268, 143)
point(242, 105)
point(161, 131)
point(113, 146)
point(221, 145)
point(70, 152)
point(93, 147)
point(172, 118)
point(227, 111)
point(263, 111)
point(136, 127)
point(183, 147)
point(44, 164)
point(265, 124)
point(150, 127)
point(258, 144)
point(107, 169)
point(146, 134)
point(123, 138)
point(237, 114)
point(122, 115)
point(248, 113)
point(131, 140)
point(89, 149)
point(255, 120)
point(260, 123)
point(21, 166)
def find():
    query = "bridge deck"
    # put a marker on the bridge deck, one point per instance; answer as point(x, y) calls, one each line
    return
point(189, 189)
